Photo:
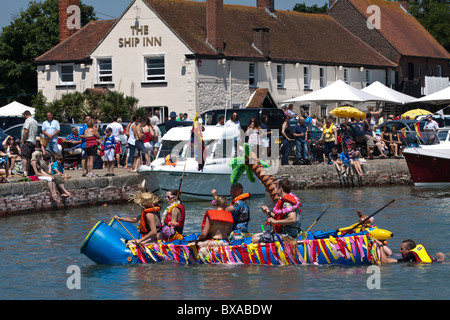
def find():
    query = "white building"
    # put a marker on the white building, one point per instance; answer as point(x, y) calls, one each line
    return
point(188, 56)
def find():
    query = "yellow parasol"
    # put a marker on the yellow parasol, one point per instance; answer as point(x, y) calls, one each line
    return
point(348, 112)
point(414, 113)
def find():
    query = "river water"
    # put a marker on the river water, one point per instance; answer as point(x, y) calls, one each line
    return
point(36, 250)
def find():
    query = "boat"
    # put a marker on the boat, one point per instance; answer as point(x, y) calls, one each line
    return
point(429, 165)
point(105, 244)
point(176, 160)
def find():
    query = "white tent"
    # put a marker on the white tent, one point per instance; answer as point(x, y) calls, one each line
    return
point(380, 90)
point(440, 97)
point(339, 91)
point(15, 109)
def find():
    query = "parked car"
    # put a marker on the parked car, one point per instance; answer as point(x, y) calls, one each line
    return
point(406, 127)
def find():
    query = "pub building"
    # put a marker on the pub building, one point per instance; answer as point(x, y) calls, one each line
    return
point(187, 56)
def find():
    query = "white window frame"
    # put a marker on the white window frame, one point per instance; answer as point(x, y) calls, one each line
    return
point(346, 76)
point(61, 74)
point(252, 75)
point(99, 75)
point(306, 77)
point(280, 76)
point(162, 78)
point(323, 77)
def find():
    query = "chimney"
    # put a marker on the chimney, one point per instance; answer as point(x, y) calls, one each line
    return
point(69, 18)
point(214, 24)
point(266, 4)
point(261, 40)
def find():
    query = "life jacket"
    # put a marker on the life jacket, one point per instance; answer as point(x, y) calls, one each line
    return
point(243, 196)
point(180, 226)
point(421, 254)
point(279, 205)
point(143, 226)
point(218, 215)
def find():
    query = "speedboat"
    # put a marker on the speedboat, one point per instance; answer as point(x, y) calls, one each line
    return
point(429, 165)
point(176, 164)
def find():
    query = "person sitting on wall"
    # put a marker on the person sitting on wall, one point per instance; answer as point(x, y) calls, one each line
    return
point(218, 223)
point(284, 218)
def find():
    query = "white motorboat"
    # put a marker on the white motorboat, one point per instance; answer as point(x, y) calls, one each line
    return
point(163, 175)
point(429, 165)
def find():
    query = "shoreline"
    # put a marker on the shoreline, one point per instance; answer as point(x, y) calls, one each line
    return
point(20, 198)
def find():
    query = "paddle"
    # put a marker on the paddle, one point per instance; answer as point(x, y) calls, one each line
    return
point(143, 248)
point(366, 219)
point(305, 234)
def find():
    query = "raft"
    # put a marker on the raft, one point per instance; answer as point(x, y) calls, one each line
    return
point(105, 245)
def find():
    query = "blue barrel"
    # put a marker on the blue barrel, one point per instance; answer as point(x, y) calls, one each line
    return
point(130, 227)
point(103, 245)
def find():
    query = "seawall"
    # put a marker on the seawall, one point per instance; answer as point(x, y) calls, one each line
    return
point(27, 197)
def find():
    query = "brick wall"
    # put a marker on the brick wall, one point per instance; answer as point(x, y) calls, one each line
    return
point(64, 17)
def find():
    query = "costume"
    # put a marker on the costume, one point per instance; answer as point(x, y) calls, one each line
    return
point(289, 203)
point(241, 214)
point(167, 217)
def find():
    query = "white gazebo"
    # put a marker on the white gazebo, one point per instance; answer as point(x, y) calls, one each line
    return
point(440, 97)
point(339, 92)
point(15, 109)
point(380, 90)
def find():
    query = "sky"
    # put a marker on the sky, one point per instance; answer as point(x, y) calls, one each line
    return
point(110, 9)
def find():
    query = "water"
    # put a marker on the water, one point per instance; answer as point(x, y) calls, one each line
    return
point(37, 248)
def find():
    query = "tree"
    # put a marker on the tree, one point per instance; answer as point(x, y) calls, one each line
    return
point(31, 33)
point(312, 9)
point(434, 15)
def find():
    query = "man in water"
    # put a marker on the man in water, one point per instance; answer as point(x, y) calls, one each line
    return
point(411, 253)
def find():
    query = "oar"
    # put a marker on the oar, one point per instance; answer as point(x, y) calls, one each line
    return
point(143, 248)
point(305, 234)
point(367, 219)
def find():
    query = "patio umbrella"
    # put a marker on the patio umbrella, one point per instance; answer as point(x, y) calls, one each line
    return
point(348, 112)
point(414, 113)
point(339, 91)
point(440, 97)
point(380, 90)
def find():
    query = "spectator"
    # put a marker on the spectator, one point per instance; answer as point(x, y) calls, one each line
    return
point(300, 132)
point(395, 140)
point(83, 145)
point(266, 136)
point(171, 123)
point(109, 143)
point(74, 141)
point(286, 137)
point(354, 158)
point(378, 141)
point(234, 121)
point(139, 144)
point(368, 135)
point(58, 168)
point(386, 137)
point(221, 122)
point(156, 137)
point(346, 135)
point(308, 118)
point(180, 117)
point(155, 120)
point(374, 115)
point(319, 152)
point(50, 130)
point(147, 130)
point(291, 114)
point(254, 133)
point(131, 142)
point(91, 136)
point(12, 152)
point(431, 128)
point(329, 135)
point(346, 162)
point(116, 132)
point(28, 142)
point(334, 159)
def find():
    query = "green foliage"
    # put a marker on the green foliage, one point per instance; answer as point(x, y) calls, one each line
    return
point(312, 9)
point(31, 33)
point(434, 15)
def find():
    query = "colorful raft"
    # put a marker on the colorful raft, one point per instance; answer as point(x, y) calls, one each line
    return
point(104, 245)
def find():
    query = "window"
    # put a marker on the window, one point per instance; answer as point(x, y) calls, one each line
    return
point(368, 78)
point(439, 71)
point(155, 68)
point(105, 70)
point(306, 78)
point(66, 75)
point(252, 75)
point(346, 79)
point(323, 77)
point(280, 76)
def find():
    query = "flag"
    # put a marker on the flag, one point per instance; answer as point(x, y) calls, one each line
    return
point(417, 128)
point(403, 132)
point(197, 143)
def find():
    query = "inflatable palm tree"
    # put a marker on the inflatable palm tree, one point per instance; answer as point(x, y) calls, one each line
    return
point(253, 166)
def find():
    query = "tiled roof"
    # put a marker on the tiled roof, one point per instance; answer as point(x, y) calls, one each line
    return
point(293, 36)
point(79, 46)
point(258, 98)
point(403, 31)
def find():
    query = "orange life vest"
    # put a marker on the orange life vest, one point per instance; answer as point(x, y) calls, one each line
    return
point(287, 198)
point(218, 215)
point(243, 196)
point(180, 226)
point(143, 227)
